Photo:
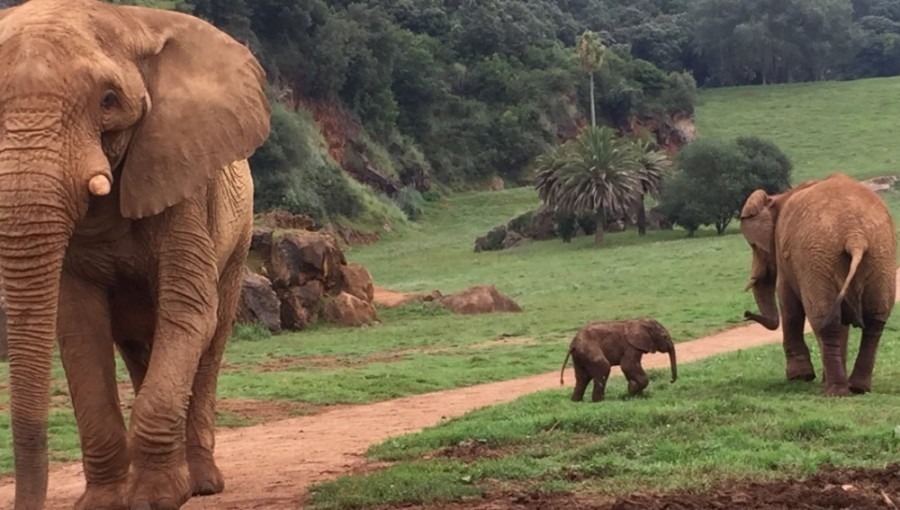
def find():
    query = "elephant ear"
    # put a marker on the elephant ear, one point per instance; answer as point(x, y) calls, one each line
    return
point(641, 334)
point(207, 109)
point(758, 221)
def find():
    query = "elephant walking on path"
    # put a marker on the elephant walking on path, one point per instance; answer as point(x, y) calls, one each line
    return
point(827, 250)
point(126, 211)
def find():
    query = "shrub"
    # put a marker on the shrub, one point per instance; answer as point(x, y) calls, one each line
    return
point(566, 226)
point(411, 202)
point(716, 177)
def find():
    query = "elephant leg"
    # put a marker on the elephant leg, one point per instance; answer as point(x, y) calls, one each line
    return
point(799, 365)
point(861, 377)
point(187, 305)
point(582, 378)
point(206, 478)
point(599, 370)
point(88, 358)
point(634, 372)
point(833, 340)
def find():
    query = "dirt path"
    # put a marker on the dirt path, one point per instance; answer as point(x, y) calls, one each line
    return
point(270, 466)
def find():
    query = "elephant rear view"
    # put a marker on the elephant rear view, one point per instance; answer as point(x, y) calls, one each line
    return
point(828, 250)
point(600, 345)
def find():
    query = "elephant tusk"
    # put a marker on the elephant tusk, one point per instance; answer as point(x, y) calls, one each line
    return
point(750, 284)
point(99, 185)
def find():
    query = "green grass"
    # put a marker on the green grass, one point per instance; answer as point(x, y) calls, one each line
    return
point(728, 417)
point(824, 127)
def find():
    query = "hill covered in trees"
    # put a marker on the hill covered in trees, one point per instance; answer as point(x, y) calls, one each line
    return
point(409, 96)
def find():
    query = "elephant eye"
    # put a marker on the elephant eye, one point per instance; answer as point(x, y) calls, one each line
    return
point(110, 100)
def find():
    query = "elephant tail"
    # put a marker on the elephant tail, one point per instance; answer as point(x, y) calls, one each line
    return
point(563, 369)
point(855, 247)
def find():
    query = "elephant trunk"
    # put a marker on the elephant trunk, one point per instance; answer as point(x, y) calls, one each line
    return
point(764, 293)
point(672, 362)
point(34, 234)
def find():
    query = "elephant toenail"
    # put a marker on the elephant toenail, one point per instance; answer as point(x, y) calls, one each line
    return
point(206, 488)
point(166, 504)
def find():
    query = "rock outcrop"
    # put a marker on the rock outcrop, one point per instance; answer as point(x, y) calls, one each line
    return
point(479, 299)
point(297, 276)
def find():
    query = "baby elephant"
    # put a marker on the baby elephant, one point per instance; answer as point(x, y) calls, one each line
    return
point(599, 345)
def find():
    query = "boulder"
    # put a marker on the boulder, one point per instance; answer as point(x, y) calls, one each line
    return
point(300, 305)
point(300, 256)
point(356, 281)
point(511, 240)
point(496, 184)
point(348, 310)
point(259, 303)
point(479, 299)
point(543, 226)
point(657, 220)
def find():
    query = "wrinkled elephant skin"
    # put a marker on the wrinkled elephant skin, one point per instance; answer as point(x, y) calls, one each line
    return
point(125, 218)
point(826, 249)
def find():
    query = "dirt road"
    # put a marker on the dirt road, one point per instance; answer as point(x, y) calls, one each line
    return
point(270, 466)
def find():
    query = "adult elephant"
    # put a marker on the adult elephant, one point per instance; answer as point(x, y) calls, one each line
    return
point(125, 218)
point(827, 248)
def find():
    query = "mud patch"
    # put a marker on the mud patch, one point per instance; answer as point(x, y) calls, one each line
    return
point(505, 341)
point(830, 489)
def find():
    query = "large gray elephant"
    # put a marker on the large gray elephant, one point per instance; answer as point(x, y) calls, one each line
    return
point(125, 218)
point(827, 249)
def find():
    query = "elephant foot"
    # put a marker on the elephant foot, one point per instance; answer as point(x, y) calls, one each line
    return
point(206, 479)
point(837, 390)
point(103, 497)
point(860, 384)
point(800, 370)
point(160, 490)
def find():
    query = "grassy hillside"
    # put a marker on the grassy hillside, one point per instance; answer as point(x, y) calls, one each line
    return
point(826, 127)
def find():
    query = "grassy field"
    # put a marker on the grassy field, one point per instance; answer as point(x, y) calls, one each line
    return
point(727, 417)
point(692, 285)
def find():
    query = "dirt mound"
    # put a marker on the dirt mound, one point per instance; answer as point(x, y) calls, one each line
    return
point(831, 489)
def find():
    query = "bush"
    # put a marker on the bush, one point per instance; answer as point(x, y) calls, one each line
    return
point(716, 177)
point(566, 226)
point(411, 202)
point(292, 171)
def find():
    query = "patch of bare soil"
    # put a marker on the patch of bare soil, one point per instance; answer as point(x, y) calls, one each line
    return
point(470, 450)
point(505, 341)
point(830, 489)
point(272, 465)
point(263, 411)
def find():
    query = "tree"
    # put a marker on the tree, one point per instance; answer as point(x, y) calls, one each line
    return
point(653, 167)
point(716, 177)
point(595, 173)
point(591, 53)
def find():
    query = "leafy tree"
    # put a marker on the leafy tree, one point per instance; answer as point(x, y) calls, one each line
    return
point(716, 177)
point(596, 173)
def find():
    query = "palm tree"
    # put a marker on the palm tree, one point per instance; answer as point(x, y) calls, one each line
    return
point(591, 53)
point(594, 173)
point(653, 167)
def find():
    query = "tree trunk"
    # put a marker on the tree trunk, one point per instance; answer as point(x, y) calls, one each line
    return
point(593, 105)
point(601, 227)
point(641, 216)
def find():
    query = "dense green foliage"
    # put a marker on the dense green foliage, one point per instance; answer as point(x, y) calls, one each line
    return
point(715, 177)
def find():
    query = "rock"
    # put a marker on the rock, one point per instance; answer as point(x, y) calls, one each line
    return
point(300, 305)
point(511, 240)
point(356, 281)
point(259, 303)
point(282, 219)
point(496, 183)
point(348, 310)
point(543, 226)
point(479, 299)
point(492, 241)
point(301, 256)
point(883, 183)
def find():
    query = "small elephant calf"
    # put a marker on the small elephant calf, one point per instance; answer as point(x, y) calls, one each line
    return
point(600, 345)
